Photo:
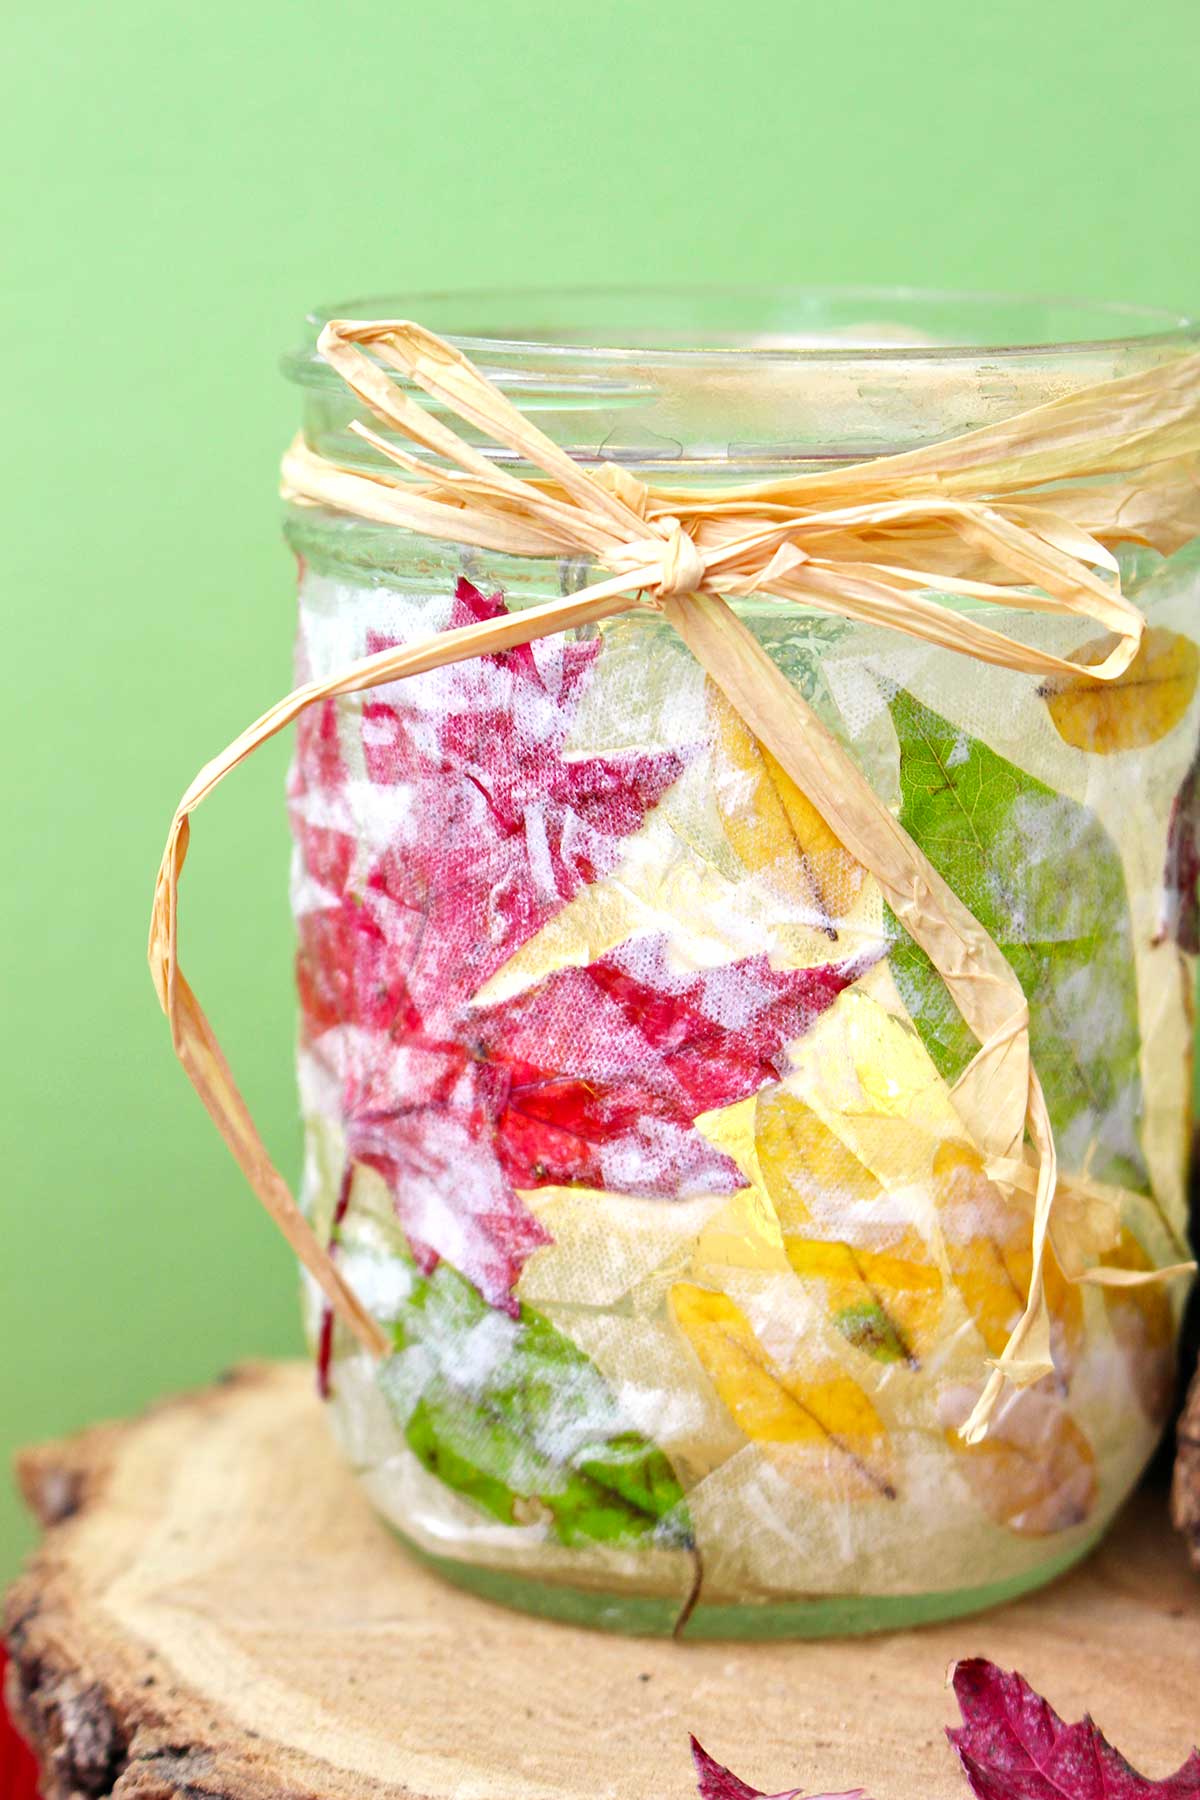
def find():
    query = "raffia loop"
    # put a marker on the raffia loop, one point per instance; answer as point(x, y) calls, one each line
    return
point(874, 542)
point(867, 543)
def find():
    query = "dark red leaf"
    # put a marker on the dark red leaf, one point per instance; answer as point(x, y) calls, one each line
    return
point(1013, 1746)
point(715, 1782)
point(18, 1770)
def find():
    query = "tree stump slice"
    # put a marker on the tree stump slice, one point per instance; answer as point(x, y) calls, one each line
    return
point(1185, 1483)
point(215, 1611)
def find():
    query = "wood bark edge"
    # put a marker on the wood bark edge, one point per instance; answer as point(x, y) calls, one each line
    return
point(104, 1717)
point(1185, 1480)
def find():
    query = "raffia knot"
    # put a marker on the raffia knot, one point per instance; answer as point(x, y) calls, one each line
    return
point(1024, 514)
point(684, 567)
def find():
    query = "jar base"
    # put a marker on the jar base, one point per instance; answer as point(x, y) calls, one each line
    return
point(821, 1616)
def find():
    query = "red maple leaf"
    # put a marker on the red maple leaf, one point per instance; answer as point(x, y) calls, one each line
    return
point(19, 1776)
point(715, 1782)
point(593, 1076)
point(1012, 1743)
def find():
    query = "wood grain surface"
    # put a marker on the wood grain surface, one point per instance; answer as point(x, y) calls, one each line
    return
point(215, 1611)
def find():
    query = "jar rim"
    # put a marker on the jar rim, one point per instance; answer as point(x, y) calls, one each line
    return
point(805, 326)
point(742, 382)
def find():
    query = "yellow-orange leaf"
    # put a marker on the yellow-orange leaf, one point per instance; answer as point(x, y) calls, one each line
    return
point(1140, 707)
point(774, 827)
point(818, 1426)
point(743, 1234)
point(886, 1301)
point(990, 1254)
point(1143, 1325)
point(1034, 1472)
point(806, 1167)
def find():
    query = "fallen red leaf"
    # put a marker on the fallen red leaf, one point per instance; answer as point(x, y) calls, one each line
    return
point(1013, 1746)
point(18, 1770)
point(715, 1782)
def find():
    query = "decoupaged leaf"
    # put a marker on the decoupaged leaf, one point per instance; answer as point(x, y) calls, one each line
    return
point(775, 829)
point(715, 1782)
point(1013, 1746)
point(496, 831)
point(1144, 1326)
point(1041, 874)
point(513, 1416)
point(817, 1185)
point(592, 1075)
point(1035, 1471)
point(885, 1301)
point(815, 1423)
point(990, 1252)
point(1138, 708)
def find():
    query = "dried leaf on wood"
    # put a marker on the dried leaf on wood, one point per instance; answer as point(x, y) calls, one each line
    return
point(715, 1782)
point(1013, 1746)
point(1138, 708)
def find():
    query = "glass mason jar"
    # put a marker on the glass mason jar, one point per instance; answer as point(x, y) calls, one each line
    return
point(629, 1105)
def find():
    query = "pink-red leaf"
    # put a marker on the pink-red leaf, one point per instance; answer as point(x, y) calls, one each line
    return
point(1013, 1746)
point(607, 1066)
point(19, 1776)
point(715, 1782)
point(592, 1077)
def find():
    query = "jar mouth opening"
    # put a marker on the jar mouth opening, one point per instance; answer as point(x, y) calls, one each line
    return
point(749, 326)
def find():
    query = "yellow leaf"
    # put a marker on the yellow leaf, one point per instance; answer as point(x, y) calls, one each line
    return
point(869, 1076)
point(743, 1234)
point(731, 1129)
point(989, 1249)
point(1144, 1327)
point(1136, 709)
point(773, 827)
point(818, 1427)
point(1034, 1472)
point(806, 1167)
point(886, 1300)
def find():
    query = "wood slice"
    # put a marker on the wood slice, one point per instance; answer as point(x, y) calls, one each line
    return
point(215, 1611)
point(1185, 1482)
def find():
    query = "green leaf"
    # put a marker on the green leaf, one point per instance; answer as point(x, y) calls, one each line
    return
point(867, 1326)
point(511, 1414)
point(1041, 873)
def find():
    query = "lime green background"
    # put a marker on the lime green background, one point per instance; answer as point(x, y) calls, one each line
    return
point(182, 183)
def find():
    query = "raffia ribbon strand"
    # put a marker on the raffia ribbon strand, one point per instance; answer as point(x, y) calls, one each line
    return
point(873, 542)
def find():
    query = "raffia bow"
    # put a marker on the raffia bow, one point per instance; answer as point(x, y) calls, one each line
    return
point(1023, 514)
